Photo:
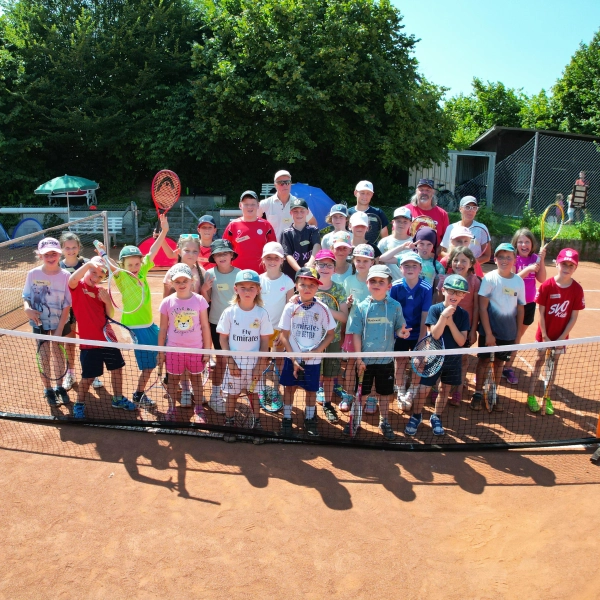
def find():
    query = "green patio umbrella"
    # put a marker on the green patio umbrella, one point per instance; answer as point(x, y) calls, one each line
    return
point(65, 185)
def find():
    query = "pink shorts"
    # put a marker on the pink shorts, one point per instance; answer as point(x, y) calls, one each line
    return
point(178, 363)
point(348, 345)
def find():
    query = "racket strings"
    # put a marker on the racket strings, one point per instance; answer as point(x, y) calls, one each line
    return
point(166, 188)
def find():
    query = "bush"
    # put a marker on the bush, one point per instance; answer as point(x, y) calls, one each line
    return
point(589, 229)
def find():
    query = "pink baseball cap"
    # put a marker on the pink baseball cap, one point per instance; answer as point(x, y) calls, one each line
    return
point(325, 254)
point(568, 254)
point(460, 231)
point(49, 244)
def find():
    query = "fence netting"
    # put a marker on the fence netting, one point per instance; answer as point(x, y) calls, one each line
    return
point(252, 405)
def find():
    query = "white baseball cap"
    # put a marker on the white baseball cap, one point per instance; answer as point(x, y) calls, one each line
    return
point(364, 185)
point(359, 218)
point(273, 248)
point(49, 244)
point(280, 173)
point(404, 212)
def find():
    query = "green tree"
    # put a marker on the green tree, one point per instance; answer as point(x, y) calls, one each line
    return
point(537, 112)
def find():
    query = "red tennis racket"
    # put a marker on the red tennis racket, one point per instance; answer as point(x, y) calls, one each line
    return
point(166, 189)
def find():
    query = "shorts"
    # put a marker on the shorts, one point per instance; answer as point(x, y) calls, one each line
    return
point(178, 362)
point(450, 373)
point(382, 374)
point(402, 345)
point(40, 330)
point(93, 360)
point(348, 345)
point(499, 355)
point(234, 386)
point(331, 367)
point(529, 315)
point(146, 359)
point(215, 336)
point(309, 380)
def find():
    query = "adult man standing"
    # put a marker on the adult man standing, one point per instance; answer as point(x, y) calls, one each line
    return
point(424, 203)
point(276, 209)
point(378, 222)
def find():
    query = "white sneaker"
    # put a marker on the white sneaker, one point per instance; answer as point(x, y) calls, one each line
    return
point(97, 383)
point(405, 401)
point(217, 402)
point(186, 398)
point(68, 381)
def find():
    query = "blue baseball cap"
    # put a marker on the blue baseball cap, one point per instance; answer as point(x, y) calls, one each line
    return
point(428, 182)
point(338, 209)
point(505, 246)
point(207, 219)
point(247, 276)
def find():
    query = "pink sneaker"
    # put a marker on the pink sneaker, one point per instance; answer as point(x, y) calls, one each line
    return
point(199, 415)
point(510, 375)
point(456, 398)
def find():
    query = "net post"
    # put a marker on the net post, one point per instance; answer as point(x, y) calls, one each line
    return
point(598, 427)
point(105, 227)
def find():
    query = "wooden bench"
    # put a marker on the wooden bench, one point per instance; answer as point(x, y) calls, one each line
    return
point(267, 190)
point(115, 226)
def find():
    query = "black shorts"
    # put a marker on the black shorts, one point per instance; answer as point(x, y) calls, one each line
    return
point(402, 345)
point(382, 374)
point(529, 316)
point(93, 360)
point(499, 355)
point(66, 331)
point(216, 340)
point(450, 373)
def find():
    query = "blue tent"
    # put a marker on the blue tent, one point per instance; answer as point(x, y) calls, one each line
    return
point(26, 227)
point(318, 201)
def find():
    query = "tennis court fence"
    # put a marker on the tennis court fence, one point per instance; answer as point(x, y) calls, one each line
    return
point(284, 417)
point(17, 257)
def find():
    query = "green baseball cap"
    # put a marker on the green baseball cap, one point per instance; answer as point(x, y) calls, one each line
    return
point(247, 276)
point(129, 251)
point(456, 282)
point(505, 246)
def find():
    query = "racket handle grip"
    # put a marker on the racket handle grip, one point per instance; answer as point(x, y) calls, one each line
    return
point(97, 246)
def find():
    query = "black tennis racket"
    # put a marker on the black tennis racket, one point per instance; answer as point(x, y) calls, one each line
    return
point(547, 376)
point(52, 360)
point(427, 366)
point(355, 417)
point(118, 333)
point(490, 389)
point(375, 226)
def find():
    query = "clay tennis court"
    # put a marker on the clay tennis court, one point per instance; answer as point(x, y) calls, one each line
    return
point(95, 512)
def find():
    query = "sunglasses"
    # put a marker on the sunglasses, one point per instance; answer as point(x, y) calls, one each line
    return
point(284, 182)
point(187, 236)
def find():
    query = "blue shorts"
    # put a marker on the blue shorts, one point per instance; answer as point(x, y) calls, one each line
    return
point(450, 373)
point(148, 336)
point(309, 378)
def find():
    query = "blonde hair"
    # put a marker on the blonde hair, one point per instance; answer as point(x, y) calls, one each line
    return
point(235, 299)
point(182, 241)
point(467, 252)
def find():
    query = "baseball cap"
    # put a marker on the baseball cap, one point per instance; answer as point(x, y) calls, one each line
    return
point(468, 200)
point(249, 193)
point(364, 186)
point(359, 218)
point(207, 219)
point(427, 182)
point(298, 203)
point(341, 238)
point(273, 248)
point(505, 246)
point(338, 209)
point(379, 271)
point(281, 173)
point(403, 211)
point(568, 254)
point(456, 282)
point(325, 254)
point(248, 276)
point(364, 250)
point(49, 244)
point(221, 246)
point(309, 273)
point(179, 270)
point(410, 257)
point(99, 263)
point(460, 231)
point(129, 251)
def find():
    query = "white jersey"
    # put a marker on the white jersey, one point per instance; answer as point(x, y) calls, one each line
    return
point(274, 295)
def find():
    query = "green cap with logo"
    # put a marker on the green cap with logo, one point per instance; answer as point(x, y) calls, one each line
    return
point(129, 251)
point(456, 282)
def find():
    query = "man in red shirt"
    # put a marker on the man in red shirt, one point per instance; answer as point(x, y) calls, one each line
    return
point(249, 234)
point(424, 203)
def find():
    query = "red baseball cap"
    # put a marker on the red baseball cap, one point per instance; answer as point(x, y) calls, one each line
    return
point(568, 254)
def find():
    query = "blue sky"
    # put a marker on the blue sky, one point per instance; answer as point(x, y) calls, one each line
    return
point(524, 44)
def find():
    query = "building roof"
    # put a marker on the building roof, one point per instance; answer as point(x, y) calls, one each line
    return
point(488, 137)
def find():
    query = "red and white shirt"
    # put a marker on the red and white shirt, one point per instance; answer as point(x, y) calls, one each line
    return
point(248, 239)
point(559, 304)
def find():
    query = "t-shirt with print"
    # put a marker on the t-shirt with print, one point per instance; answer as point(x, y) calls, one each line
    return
point(279, 215)
point(414, 301)
point(358, 289)
point(530, 286)
point(197, 279)
point(274, 295)
point(341, 277)
point(337, 291)
point(142, 317)
point(204, 256)
point(468, 301)
point(184, 329)
point(72, 270)
point(376, 321)
point(48, 294)
point(90, 313)
point(504, 295)
point(299, 244)
point(559, 304)
point(248, 239)
point(388, 243)
point(377, 221)
point(439, 216)
point(244, 328)
point(222, 292)
point(460, 318)
point(430, 269)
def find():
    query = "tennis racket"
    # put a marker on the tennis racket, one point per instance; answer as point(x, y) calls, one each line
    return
point(206, 373)
point(269, 392)
point(355, 418)
point(375, 227)
point(547, 373)
point(421, 221)
point(118, 333)
point(122, 285)
point(481, 238)
point(52, 361)
point(551, 223)
point(427, 366)
point(244, 412)
point(166, 188)
point(490, 390)
point(157, 391)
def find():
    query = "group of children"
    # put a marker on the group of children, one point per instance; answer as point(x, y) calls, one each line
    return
point(240, 293)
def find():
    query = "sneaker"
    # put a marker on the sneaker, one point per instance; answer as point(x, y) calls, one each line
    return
point(386, 430)
point(216, 402)
point(123, 403)
point(405, 401)
point(549, 407)
point(532, 403)
point(61, 395)
point(476, 400)
point(339, 391)
point(413, 425)
point(371, 405)
point(345, 404)
point(321, 396)
point(286, 428)
point(79, 410)
point(186, 398)
point(436, 425)
point(68, 381)
point(510, 375)
point(199, 414)
point(171, 414)
point(142, 399)
point(50, 397)
point(330, 413)
point(97, 383)
point(456, 398)
point(310, 426)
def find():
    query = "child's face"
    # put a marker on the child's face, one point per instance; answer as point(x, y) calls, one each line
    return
point(339, 222)
point(401, 225)
point(425, 249)
point(189, 253)
point(249, 207)
point(362, 263)
point(207, 233)
point(505, 260)
point(452, 297)
point(566, 268)
point(223, 259)
point(378, 287)
point(94, 276)
point(307, 288)
point(70, 249)
point(461, 264)
point(247, 291)
point(524, 245)
point(272, 261)
point(299, 215)
point(410, 269)
point(463, 240)
point(51, 259)
point(364, 196)
point(182, 284)
point(325, 267)
point(342, 253)
point(133, 264)
point(359, 230)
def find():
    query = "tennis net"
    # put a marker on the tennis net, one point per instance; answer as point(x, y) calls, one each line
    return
point(574, 391)
point(17, 257)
